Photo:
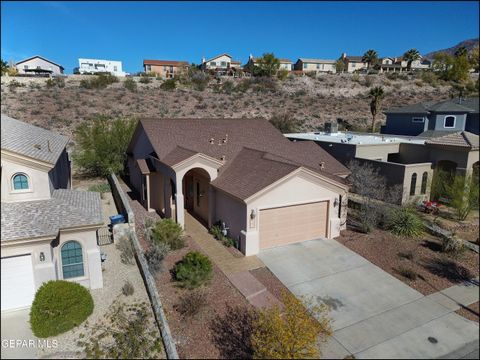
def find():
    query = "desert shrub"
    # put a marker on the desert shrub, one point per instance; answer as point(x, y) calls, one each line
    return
point(407, 273)
point(244, 85)
point(452, 246)
point(155, 256)
point(102, 144)
point(418, 83)
point(429, 77)
point(264, 84)
point(14, 84)
point(125, 332)
point(292, 332)
point(100, 81)
point(127, 252)
point(391, 75)
point(58, 307)
point(282, 74)
point(193, 270)
point(356, 78)
point(55, 82)
point(130, 84)
point(127, 288)
point(286, 122)
point(409, 255)
point(145, 79)
point(169, 232)
point(168, 85)
point(228, 87)
point(404, 222)
point(199, 80)
point(463, 194)
point(368, 81)
point(101, 188)
point(191, 303)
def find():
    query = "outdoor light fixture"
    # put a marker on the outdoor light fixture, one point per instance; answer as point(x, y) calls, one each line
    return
point(335, 202)
point(42, 256)
point(253, 214)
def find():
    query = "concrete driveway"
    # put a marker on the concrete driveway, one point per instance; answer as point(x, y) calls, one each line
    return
point(15, 326)
point(374, 314)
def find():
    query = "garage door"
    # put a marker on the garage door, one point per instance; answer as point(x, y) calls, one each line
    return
point(291, 224)
point(18, 286)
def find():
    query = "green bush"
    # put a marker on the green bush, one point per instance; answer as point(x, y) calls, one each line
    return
point(193, 270)
point(168, 85)
point(58, 307)
point(100, 81)
point(155, 256)
point(452, 246)
point(145, 79)
point(169, 232)
point(101, 188)
point(130, 84)
point(404, 222)
point(55, 82)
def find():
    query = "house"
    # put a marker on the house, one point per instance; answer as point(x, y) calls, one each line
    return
point(37, 65)
point(94, 66)
point(48, 231)
point(165, 68)
point(433, 117)
point(315, 65)
point(353, 63)
point(221, 65)
point(284, 64)
point(390, 64)
point(267, 190)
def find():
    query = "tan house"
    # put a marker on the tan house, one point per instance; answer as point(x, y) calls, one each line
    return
point(395, 64)
point(221, 65)
point(315, 65)
point(267, 190)
point(48, 231)
point(353, 63)
point(285, 64)
point(37, 65)
point(165, 68)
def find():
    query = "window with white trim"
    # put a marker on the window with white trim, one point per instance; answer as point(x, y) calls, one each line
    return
point(20, 182)
point(418, 119)
point(449, 122)
point(72, 260)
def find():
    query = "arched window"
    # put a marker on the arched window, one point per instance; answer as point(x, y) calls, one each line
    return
point(423, 190)
point(20, 182)
point(72, 260)
point(413, 184)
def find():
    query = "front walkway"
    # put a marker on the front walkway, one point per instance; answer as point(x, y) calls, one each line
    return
point(374, 314)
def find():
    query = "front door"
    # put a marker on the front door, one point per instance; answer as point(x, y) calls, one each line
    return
point(189, 192)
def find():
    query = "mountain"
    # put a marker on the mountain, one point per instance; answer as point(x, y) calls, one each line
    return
point(469, 44)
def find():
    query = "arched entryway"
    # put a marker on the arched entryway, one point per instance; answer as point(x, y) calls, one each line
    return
point(195, 185)
point(443, 176)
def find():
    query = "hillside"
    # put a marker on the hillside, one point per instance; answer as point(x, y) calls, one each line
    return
point(469, 44)
point(314, 100)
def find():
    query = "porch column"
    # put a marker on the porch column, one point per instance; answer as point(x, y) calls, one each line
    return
point(179, 203)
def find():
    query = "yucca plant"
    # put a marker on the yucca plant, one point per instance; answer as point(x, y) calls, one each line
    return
point(404, 222)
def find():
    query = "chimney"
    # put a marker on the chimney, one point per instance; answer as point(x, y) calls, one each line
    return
point(250, 57)
point(344, 55)
point(203, 59)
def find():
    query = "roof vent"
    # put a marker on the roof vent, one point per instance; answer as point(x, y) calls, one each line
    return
point(211, 141)
point(37, 146)
point(223, 157)
point(322, 165)
point(225, 139)
point(48, 146)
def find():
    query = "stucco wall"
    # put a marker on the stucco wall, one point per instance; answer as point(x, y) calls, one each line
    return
point(402, 124)
point(376, 151)
point(232, 212)
point(322, 67)
point(35, 62)
point(472, 123)
point(459, 122)
point(38, 180)
point(218, 62)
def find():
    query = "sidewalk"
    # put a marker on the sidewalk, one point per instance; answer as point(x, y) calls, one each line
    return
point(457, 296)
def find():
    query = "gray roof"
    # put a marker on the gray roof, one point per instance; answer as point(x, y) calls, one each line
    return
point(436, 133)
point(32, 141)
point(469, 105)
point(40, 57)
point(41, 218)
point(319, 61)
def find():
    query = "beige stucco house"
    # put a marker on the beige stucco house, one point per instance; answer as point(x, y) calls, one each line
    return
point(315, 65)
point(36, 65)
point(353, 63)
point(48, 231)
point(244, 172)
point(284, 64)
point(165, 68)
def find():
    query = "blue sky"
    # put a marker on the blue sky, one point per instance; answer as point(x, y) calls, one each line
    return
point(133, 31)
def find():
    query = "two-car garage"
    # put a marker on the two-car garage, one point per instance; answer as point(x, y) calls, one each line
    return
point(290, 224)
point(18, 283)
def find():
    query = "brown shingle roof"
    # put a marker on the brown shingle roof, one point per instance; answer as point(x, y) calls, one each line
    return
point(462, 139)
point(165, 62)
point(174, 140)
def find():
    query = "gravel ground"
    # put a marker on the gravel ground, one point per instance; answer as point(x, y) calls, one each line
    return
point(469, 315)
point(434, 270)
point(270, 281)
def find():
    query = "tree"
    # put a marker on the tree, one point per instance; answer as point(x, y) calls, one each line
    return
point(463, 195)
point(461, 51)
point(4, 67)
point(286, 122)
point(451, 68)
point(340, 66)
point(292, 333)
point(442, 62)
point(102, 144)
point(370, 57)
point(376, 95)
point(474, 59)
point(268, 64)
point(410, 56)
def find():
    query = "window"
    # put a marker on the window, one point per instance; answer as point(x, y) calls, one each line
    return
point(198, 193)
point(171, 68)
point(353, 65)
point(449, 122)
point(418, 119)
point(25, 67)
point(423, 190)
point(318, 66)
point(305, 65)
point(213, 63)
point(72, 260)
point(413, 184)
point(148, 67)
point(114, 68)
point(20, 182)
point(223, 64)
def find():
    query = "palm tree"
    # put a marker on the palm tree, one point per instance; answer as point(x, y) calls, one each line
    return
point(461, 51)
point(376, 95)
point(369, 57)
point(410, 56)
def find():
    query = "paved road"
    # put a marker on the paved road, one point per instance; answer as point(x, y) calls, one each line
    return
point(374, 314)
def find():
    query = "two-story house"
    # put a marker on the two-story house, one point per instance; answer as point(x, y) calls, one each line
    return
point(315, 65)
point(48, 231)
point(389, 64)
point(37, 65)
point(284, 64)
point(221, 64)
point(94, 66)
point(166, 69)
point(353, 63)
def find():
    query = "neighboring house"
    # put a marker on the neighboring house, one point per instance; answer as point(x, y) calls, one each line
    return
point(165, 68)
point(93, 66)
point(48, 231)
point(221, 65)
point(315, 65)
point(353, 63)
point(267, 190)
point(425, 118)
point(37, 65)
point(285, 64)
point(389, 64)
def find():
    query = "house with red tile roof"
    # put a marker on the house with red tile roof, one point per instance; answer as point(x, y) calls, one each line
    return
point(267, 190)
